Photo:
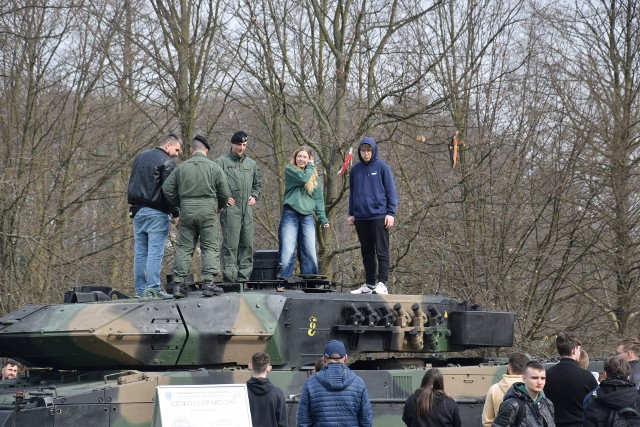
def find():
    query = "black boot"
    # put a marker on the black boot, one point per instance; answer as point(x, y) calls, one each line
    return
point(179, 291)
point(210, 289)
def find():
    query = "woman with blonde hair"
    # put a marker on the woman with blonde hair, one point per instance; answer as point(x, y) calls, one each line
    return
point(302, 199)
point(430, 405)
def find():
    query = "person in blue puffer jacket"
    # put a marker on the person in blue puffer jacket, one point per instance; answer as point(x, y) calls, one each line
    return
point(335, 396)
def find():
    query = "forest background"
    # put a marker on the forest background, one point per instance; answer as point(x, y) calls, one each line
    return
point(540, 216)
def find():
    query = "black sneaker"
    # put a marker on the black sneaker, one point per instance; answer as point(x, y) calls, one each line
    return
point(210, 289)
point(179, 291)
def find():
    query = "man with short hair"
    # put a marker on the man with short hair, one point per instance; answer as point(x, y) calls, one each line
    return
point(614, 393)
point(266, 401)
point(372, 209)
point(629, 350)
point(567, 383)
point(150, 211)
point(245, 184)
point(198, 186)
point(495, 395)
point(335, 396)
point(9, 370)
point(525, 403)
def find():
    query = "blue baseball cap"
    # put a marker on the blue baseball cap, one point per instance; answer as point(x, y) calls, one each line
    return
point(334, 349)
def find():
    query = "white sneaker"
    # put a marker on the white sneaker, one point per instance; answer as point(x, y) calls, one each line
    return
point(364, 289)
point(380, 289)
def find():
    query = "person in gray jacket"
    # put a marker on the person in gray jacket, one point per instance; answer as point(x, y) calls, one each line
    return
point(629, 350)
point(525, 404)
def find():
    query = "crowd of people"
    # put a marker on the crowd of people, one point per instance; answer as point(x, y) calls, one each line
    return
point(527, 395)
point(203, 197)
point(567, 394)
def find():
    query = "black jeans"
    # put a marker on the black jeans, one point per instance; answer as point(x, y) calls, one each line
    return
point(374, 246)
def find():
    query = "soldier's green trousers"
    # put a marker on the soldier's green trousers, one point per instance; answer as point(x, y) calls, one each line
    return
point(237, 243)
point(197, 221)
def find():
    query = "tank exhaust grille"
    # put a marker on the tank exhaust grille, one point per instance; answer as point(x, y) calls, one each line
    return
point(401, 386)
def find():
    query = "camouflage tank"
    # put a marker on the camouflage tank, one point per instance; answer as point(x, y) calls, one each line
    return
point(106, 353)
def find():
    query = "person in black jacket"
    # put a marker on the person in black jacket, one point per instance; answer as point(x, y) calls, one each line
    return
point(615, 392)
point(150, 211)
point(266, 401)
point(525, 404)
point(430, 405)
point(567, 383)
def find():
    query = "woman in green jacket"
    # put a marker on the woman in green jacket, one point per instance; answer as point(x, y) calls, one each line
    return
point(302, 198)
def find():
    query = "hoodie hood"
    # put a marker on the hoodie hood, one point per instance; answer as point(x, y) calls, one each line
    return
point(335, 376)
point(507, 381)
point(374, 146)
point(520, 391)
point(616, 393)
point(259, 386)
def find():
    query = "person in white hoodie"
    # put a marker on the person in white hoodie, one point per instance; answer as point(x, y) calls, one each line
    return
point(495, 395)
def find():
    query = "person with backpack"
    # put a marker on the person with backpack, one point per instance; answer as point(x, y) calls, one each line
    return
point(616, 401)
point(525, 404)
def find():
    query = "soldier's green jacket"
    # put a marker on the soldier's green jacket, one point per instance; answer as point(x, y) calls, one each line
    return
point(245, 181)
point(243, 176)
point(199, 187)
point(197, 181)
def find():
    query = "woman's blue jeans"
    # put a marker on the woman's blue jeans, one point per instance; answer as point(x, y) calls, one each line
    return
point(297, 231)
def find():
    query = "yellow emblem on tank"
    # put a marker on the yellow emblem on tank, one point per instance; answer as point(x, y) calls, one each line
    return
point(312, 326)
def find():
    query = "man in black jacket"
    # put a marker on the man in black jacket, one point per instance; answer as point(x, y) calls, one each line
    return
point(567, 383)
point(266, 401)
point(615, 393)
point(150, 211)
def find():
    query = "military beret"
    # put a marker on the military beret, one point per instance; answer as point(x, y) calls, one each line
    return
point(239, 137)
point(203, 140)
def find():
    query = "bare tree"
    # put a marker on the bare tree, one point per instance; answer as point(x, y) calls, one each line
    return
point(598, 84)
point(312, 61)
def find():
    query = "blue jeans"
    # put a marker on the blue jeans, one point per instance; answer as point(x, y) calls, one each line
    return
point(150, 232)
point(297, 231)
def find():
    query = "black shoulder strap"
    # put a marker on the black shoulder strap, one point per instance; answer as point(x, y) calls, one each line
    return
point(521, 413)
point(612, 416)
point(629, 412)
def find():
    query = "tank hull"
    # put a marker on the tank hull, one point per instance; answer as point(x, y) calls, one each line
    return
point(126, 399)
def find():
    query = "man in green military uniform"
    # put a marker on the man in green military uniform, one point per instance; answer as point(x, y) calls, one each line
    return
point(245, 184)
point(200, 188)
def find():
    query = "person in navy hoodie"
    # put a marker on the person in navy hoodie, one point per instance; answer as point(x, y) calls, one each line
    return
point(372, 208)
